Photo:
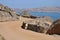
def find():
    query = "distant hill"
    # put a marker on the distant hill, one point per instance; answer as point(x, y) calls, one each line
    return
point(42, 9)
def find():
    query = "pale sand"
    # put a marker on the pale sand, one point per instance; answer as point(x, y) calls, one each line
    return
point(12, 31)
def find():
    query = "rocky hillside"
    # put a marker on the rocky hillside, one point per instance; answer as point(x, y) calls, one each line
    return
point(7, 14)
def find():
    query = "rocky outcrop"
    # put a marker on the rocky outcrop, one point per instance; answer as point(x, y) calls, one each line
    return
point(55, 28)
point(7, 14)
point(41, 24)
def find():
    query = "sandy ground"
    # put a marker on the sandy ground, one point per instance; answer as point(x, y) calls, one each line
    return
point(12, 31)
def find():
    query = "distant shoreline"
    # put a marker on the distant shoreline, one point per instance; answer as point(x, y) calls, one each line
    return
point(42, 9)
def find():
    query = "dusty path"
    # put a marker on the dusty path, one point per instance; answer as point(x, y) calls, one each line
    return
point(12, 31)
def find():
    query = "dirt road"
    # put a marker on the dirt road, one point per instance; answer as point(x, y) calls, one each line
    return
point(12, 31)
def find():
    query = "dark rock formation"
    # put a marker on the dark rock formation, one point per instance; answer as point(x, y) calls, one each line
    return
point(55, 28)
point(38, 25)
point(33, 17)
point(7, 14)
point(33, 27)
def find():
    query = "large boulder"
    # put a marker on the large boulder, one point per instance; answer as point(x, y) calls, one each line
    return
point(33, 27)
point(38, 25)
point(55, 28)
point(7, 14)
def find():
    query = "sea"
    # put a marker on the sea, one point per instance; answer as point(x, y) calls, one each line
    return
point(53, 15)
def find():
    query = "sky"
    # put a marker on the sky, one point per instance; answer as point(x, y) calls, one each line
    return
point(22, 4)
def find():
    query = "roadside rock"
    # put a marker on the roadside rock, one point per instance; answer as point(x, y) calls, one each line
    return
point(7, 14)
point(55, 28)
point(41, 24)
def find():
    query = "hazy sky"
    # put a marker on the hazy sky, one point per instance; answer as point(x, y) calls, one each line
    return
point(30, 3)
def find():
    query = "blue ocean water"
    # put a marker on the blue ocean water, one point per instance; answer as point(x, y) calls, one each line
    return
point(53, 15)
